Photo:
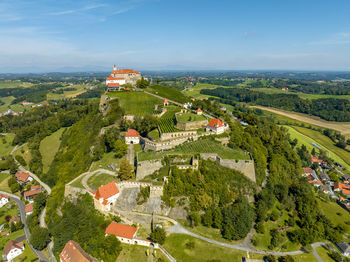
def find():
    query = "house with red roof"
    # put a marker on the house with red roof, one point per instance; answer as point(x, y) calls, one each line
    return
point(28, 209)
point(127, 234)
point(13, 249)
point(165, 102)
point(121, 77)
point(132, 137)
point(344, 188)
point(216, 126)
point(23, 178)
point(30, 194)
point(105, 196)
point(199, 111)
point(4, 199)
point(72, 252)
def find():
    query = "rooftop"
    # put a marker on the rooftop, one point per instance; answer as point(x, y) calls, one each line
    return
point(106, 191)
point(121, 230)
point(11, 245)
point(72, 252)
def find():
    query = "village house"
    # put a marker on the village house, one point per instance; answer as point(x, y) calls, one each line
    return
point(14, 219)
point(199, 111)
point(325, 188)
point(4, 199)
point(217, 126)
point(13, 249)
point(165, 102)
point(307, 171)
point(346, 179)
point(105, 196)
point(28, 209)
point(23, 178)
point(72, 252)
point(344, 248)
point(127, 234)
point(132, 137)
point(344, 188)
point(324, 177)
point(315, 159)
point(34, 190)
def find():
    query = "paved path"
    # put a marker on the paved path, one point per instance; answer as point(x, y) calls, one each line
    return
point(131, 154)
point(314, 251)
point(160, 97)
point(21, 209)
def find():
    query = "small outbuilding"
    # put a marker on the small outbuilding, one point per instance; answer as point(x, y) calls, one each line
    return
point(132, 137)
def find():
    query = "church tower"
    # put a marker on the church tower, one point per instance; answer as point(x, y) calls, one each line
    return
point(114, 68)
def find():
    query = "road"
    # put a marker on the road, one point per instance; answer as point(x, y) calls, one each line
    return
point(21, 209)
point(314, 251)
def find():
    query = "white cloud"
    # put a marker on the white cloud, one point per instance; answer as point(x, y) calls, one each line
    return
point(335, 39)
point(72, 11)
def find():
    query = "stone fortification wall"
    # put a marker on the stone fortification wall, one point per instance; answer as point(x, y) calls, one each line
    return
point(191, 125)
point(246, 167)
point(145, 168)
point(155, 191)
point(174, 135)
point(165, 145)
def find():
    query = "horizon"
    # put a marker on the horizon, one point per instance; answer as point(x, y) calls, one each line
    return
point(158, 35)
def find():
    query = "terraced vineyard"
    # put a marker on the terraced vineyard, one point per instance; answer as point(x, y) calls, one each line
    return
point(167, 121)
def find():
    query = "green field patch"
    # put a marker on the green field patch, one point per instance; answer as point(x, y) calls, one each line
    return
point(77, 183)
point(169, 93)
point(136, 103)
point(24, 151)
point(49, 147)
point(189, 117)
point(100, 179)
point(132, 253)
point(7, 102)
point(5, 211)
point(336, 214)
point(154, 134)
point(105, 162)
point(6, 144)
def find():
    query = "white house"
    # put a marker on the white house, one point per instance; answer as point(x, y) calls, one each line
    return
point(29, 209)
point(132, 137)
point(13, 249)
point(127, 234)
point(4, 199)
point(105, 196)
point(217, 126)
point(344, 248)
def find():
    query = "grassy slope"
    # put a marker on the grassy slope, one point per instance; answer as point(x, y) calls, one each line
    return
point(136, 103)
point(77, 183)
point(25, 153)
point(5, 148)
point(168, 92)
point(131, 253)
point(307, 141)
point(326, 143)
point(105, 161)
point(98, 180)
point(332, 211)
point(4, 211)
point(49, 147)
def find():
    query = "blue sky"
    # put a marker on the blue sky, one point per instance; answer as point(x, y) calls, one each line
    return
point(48, 35)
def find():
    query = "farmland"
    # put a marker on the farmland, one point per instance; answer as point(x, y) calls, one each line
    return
point(197, 147)
point(136, 103)
point(6, 144)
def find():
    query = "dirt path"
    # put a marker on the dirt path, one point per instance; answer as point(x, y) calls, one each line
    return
point(342, 127)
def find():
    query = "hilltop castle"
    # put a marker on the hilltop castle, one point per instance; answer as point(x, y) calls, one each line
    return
point(120, 77)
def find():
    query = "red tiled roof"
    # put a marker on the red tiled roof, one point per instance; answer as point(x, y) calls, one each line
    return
point(29, 208)
point(199, 110)
point(106, 191)
point(23, 177)
point(113, 85)
point(125, 71)
point(165, 101)
point(72, 252)
point(37, 187)
point(307, 170)
point(5, 196)
point(132, 133)
point(32, 192)
point(115, 78)
point(11, 245)
point(121, 230)
point(315, 182)
point(315, 159)
point(215, 123)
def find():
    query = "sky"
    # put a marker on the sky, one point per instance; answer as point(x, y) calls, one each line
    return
point(92, 35)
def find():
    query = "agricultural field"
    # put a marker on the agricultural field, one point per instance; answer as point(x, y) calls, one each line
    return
point(49, 147)
point(6, 144)
point(78, 89)
point(136, 103)
point(7, 102)
point(12, 84)
point(167, 121)
point(342, 127)
point(100, 179)
point(169, 93)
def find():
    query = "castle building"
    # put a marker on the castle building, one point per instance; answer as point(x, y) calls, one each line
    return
point(120, 77)
point(105, 196)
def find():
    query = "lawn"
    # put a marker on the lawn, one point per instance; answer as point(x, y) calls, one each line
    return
point(197, 147)
point(77, 183)
point(24, 151)
point(189, 117)
point(6, 144)
point(132, 253)
point(4, 211)
point(169, 93)
point(323, 253)
point(136, 103)
point(3, 184)
point(5, 239)
point(326, 143)
point(175, 244)
point(27, 255)
point(49, 147)
point(106, 160)
point(335, 213)
point(100, 179)
point(7, 100)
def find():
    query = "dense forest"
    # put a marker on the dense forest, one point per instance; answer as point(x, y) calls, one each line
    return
point(330, 109)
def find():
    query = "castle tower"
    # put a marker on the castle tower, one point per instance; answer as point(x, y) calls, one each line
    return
point(114, 68)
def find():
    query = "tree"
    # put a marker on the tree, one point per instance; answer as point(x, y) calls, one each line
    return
point(15, 188)
point(158, 235)
point(126, 170)
point(21, 160)
point(195, 219)
point(120, 148)
point(39, 202)
point(39, 237)
point(142, 83)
